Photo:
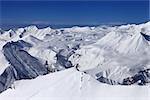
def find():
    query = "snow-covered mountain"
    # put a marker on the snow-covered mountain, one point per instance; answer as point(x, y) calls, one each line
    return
point(108, 54)
point(118, 55)
point(67, 85)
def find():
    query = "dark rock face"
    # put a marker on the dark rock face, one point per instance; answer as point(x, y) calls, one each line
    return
point(147, 37)
point(108, 81)
point(23, 65)
point(7, 78)
point(63, 60)
point(64, 54)
point(141, 78)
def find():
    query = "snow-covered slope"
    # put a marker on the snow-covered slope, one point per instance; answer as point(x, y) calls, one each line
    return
point(72, 85)
point(119, 54)
point(110, 54)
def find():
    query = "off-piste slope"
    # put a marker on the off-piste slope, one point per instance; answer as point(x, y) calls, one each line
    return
point(109, 54)
point(116, 55)
point(71, 84)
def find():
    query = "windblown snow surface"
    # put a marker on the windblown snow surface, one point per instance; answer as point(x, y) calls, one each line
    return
point(78, 63)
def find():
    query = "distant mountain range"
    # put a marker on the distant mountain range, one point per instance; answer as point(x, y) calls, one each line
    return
point(116, 55)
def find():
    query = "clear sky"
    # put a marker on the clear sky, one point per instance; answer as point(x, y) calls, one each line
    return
point(74, 12)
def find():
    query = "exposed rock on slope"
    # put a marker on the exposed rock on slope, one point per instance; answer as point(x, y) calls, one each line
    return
point(116, 56)
point(23, 65)
point(114, 53)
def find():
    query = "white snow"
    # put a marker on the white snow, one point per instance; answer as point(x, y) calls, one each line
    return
point(117, 52)
point(67, 85)
point(3, 62)
point(43, 54)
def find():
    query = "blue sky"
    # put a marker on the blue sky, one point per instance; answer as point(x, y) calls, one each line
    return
point(74, 12)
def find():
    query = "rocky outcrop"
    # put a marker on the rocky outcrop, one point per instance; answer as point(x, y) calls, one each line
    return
point(7, 78)
point(23, 65)
point(147, 37)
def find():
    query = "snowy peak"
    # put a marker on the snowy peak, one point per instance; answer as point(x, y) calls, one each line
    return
point(31, 28)
point(125, 43)
point(135, 44)
point(121, 53)
point(115, 52)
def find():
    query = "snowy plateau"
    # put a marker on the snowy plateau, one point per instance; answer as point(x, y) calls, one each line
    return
point(77, 63)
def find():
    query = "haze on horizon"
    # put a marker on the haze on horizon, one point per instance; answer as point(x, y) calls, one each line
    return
point(83, 12)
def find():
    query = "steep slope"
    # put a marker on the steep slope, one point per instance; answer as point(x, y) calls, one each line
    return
point(4, 63)
point(21, 64)
point(72, 85)
point(116, 55)
point(136, 44)
point(114, 52)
